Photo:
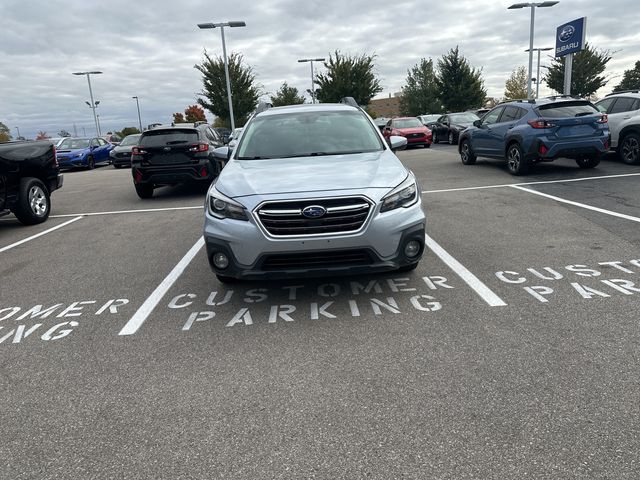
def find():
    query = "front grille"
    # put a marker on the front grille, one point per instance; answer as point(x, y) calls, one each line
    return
point(123, 154)
point(415, 135)
point(343, 215)
point(311, 260)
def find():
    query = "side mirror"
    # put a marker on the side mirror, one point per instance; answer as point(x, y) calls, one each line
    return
point(222, 153)
point(477, 123)
point(397, 142)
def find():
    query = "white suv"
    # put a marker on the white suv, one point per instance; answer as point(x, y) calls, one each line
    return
point(623, 110)
point(313, 190)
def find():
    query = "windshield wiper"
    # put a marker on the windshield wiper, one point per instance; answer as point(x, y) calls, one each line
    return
point(257, 157)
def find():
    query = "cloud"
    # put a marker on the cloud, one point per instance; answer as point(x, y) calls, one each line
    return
point(149, 48)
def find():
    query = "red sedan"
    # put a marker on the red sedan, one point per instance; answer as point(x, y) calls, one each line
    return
point(409, 127)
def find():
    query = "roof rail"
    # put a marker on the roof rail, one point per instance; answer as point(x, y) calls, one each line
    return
point(199, 122)
point(623, 91)
point(262, 106)
point(522, 100)
point(349, 101)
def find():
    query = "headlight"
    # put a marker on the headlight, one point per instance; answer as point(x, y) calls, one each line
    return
point(404, 195)
point(112, 153)
point(78, 154)
point(223, 207)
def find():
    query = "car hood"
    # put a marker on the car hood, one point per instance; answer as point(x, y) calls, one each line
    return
point(241, 178)
point(408, 131)
point(75, 151)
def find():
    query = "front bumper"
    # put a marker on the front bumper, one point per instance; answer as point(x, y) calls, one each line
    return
point(379, 247)
point(68, 162)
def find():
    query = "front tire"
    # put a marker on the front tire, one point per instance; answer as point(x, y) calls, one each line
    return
point(588, 162)
point(516, 163)
point(629, 149)
point(466, 154)
point(91, 163)
point(434, 137)
point(34, 204)
point(144, 190)
point(452, 139)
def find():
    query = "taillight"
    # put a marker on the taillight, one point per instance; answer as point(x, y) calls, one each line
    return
point(137, 176)
point(541, 123)
point(203, 172)
point(542, 149)
point(138, 151)
point(200, 147)
point(603, 119)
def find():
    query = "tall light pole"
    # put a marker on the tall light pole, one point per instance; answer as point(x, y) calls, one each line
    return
point(139, 118)
point(533, 16)
point(93, 104)
point(538, 76)
point(224, 55)
point(93, 107)
point(313, 87)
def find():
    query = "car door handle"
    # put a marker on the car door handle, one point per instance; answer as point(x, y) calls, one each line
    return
point(626, 118)
point(511, 126)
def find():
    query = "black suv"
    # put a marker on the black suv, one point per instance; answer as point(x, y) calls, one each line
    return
point(177, 153)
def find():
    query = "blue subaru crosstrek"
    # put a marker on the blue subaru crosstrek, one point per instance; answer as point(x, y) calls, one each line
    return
point(525, 132)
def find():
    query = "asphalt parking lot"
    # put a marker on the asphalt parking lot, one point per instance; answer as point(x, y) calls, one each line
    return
point(511, 352)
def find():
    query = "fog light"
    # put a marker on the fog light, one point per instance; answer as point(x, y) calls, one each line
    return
point(412, 248)
point(220, 260)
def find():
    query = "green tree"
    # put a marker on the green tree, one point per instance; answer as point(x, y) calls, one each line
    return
point(286, 95)
point(630, 79)
point(420, 94)
point(515, 87)
point(244, 88)
point(460, 86)
point(5, 133)
point(348, 76)
point(194, 113)
point(178, 118)
point(586, 75)
point(127, 131)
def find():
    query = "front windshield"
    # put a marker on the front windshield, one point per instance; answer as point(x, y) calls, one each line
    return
point(130, 140)
point(73, 143)
point(407, 123)
point(430, 118)
point(467, 117)
point(303, 134)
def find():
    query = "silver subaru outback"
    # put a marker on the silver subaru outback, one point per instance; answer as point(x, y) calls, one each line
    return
point(313, 190)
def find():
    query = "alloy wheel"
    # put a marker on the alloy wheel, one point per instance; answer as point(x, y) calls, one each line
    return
point(37, 201)
point(630, 149)
point(513, 159)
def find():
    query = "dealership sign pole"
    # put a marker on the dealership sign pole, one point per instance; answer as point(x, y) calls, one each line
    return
point(570, 39)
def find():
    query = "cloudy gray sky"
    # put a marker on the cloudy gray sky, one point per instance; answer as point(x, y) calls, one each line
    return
point(148, 48)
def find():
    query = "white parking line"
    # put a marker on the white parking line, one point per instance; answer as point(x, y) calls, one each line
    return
point(33, 237)
point(581, 205)
point(543, 182)
point(469, 278)
point(150, 303)
point(117, 212)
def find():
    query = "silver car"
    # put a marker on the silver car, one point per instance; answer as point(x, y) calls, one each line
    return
point(313, 190)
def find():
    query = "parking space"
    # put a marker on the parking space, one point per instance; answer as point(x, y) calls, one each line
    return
point(510, 351)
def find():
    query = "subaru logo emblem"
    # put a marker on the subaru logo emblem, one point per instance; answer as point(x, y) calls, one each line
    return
point(566, 33)
point(167, 149)
point(314, 211)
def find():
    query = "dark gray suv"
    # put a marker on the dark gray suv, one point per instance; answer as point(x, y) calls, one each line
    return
point(177, 153)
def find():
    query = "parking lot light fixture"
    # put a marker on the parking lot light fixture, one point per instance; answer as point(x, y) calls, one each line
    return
point(93, 104)
point(221, 25)
point(533, 15)
point(313, 87)
point(139, 118)
point(537, 79)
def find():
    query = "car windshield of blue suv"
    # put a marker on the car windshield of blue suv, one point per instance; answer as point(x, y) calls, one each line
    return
point(308, 134)
point(567, 109)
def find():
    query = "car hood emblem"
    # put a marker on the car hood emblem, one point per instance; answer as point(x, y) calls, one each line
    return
point(167, 149)
point(314, 211)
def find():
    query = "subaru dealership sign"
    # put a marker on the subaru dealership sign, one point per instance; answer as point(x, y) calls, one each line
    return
point(570, 37)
